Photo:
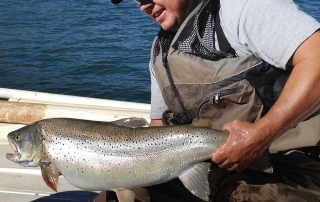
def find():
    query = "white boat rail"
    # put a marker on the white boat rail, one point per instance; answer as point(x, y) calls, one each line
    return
point(28, 96)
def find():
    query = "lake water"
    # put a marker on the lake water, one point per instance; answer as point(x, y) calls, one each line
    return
point(81, 47)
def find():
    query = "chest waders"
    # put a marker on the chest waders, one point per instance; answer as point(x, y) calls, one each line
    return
point(198, 81)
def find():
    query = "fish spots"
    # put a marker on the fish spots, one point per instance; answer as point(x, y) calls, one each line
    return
point(80, 170)
point(101, 147)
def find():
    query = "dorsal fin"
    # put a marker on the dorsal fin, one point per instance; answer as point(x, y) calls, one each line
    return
point(131, 122)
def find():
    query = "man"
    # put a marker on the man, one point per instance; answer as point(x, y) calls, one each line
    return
point(282, 36)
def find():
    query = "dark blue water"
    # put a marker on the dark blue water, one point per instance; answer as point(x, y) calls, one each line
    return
point(81, 47)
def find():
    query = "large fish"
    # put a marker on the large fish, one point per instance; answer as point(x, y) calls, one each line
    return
point(101, 156)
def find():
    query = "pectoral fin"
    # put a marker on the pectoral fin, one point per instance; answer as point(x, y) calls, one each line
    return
point(196, 180)
point(125, 195)
point(50, 175)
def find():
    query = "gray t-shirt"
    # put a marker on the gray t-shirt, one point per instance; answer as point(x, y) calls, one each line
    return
point(270, 29)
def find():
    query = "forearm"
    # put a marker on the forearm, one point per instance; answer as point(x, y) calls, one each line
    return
point(299, 99)
point(301, 95)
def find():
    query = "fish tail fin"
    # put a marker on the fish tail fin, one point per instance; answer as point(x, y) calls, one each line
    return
point(195, 180)
point(50, 175)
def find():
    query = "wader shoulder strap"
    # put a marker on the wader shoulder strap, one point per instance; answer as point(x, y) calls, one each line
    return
point(224, 45)
point(186, 116)
point(268, 77)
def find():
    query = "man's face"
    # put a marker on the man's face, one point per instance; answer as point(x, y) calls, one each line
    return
point(170, 14)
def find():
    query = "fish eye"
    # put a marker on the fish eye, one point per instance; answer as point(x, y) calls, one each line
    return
point(18, 137)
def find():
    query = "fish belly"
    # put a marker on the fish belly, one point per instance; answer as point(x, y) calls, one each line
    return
point(90, 171)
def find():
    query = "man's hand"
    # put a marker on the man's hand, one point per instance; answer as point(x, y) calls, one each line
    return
point(245, 143)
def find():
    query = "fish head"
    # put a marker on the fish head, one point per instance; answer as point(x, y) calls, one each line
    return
point(26, 145)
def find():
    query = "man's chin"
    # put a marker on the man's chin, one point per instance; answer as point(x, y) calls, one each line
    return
point(169, 28)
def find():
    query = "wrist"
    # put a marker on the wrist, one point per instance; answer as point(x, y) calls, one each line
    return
point(267, 130)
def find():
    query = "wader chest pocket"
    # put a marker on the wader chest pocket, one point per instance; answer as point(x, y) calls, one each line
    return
point(238, 101)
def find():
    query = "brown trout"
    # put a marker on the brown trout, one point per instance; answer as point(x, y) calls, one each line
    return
point(98, 156)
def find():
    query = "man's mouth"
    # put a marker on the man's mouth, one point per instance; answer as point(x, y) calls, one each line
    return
point(158, 15)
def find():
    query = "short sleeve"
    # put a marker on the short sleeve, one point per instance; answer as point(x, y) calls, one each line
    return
point(158, 105)
point(270, 29)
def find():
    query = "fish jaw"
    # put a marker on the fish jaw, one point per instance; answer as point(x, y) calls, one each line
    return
point(13, 157)
point(16, 156)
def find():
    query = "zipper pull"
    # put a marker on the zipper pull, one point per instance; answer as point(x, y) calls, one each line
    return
point(216, 101)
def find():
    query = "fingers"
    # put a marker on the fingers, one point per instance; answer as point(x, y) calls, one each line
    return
point(239, 150)
point(232, 166)
point(227, 164)
point(219, 156)
point(225, 161)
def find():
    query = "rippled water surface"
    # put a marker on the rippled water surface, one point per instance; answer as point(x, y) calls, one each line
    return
point(81, 47)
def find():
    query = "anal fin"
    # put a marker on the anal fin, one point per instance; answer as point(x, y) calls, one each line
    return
point(141, 194)
point(125, 195)
point(195, 180)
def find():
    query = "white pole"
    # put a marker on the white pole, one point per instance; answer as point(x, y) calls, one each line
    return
point(30, 96)
point(28, 113)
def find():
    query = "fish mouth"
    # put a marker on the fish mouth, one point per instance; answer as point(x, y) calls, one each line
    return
point(13, 156)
